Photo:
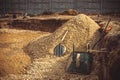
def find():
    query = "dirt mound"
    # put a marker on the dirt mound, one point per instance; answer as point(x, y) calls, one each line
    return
point(47, 13)
point(81, 30)
point(113, 46)
point(112, 41)
point(69, 12)
point(109, 61)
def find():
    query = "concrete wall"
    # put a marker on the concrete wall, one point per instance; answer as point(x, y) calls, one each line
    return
point(111, 6)
point(89, 6)
point(38, 6)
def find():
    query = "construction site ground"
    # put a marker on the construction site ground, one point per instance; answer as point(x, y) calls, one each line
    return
point(14, 60)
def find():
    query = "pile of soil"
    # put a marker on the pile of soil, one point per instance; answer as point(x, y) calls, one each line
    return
point(81, 30)
point(47, 13)
point(109, 61)
point(112, 44)
point(69, 12)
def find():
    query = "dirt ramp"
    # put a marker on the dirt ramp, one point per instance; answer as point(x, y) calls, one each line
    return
point(81, 30)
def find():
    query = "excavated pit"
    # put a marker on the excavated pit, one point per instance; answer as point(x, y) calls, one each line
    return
point(45, 25)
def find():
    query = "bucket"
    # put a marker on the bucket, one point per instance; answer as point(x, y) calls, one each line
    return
point(80, 63)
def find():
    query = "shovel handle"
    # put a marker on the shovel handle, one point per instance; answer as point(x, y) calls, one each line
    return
point(64, 35)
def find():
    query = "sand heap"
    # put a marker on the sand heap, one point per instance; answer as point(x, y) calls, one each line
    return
point(81, 30)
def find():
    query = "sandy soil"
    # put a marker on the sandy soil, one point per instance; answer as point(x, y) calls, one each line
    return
point(12, 57)
point(13, 41)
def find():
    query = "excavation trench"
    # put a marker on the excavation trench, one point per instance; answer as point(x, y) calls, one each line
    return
point(45, 25)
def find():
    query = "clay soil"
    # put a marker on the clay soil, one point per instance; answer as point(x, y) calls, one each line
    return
point(16, 64)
